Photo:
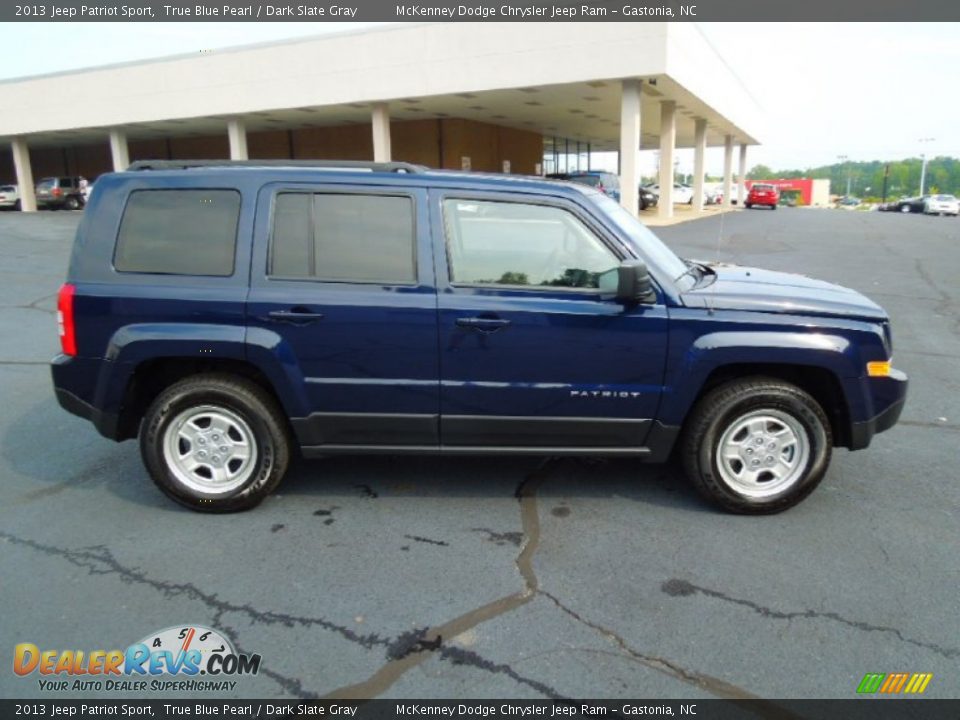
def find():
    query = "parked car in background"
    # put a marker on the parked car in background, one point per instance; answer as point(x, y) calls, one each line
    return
point(59, 192)
point(682, 194)
point(606, 182)
point(85, 190)
point(848, 202)
point(941, 205)
point(762, 194)
point(9, 197)
point(906, 205)
point(713, 196)
point(648, 198)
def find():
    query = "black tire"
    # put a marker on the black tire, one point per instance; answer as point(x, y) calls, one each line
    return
point(72, 203)
point(773, 207)
point(240, 397)
point(722, 408)
point(16, 205)
point(747, 206)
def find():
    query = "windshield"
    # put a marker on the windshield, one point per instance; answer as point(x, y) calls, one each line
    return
point(649, 246)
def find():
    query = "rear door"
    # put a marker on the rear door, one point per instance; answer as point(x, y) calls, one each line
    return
point(534, 350)
point(343, 292)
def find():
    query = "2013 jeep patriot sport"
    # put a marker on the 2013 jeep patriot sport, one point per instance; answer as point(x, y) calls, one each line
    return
point(229, 314)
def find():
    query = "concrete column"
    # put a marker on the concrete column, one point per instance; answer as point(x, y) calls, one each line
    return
point(699, 161)
point(630, 145)
point(742, 175)
point(119, 150)
point(21, 164)
point(727, 170)
point(668, 139)
point(381, 133)
point(237, 134)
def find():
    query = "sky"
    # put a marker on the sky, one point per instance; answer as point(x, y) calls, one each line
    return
point(868, 91)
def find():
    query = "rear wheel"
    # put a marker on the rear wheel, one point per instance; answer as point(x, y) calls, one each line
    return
point(756, 446)
point(747, 206)
point(16, 205)
point(72, 203)
point(904, 208)
point(215, 443)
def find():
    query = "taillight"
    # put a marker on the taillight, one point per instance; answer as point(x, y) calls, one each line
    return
point(65, 325)
point(57, 192)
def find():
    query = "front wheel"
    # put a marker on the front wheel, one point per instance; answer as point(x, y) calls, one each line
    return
point(756, 446)
point(215, 443)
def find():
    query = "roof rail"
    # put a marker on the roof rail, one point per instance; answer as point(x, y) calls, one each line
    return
point(396, 167)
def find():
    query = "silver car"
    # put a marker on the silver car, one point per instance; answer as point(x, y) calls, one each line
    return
point(9, 197)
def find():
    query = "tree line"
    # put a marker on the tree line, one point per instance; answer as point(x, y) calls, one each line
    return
point(866, 178)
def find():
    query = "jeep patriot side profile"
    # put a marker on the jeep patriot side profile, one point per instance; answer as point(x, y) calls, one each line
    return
point(232, 314)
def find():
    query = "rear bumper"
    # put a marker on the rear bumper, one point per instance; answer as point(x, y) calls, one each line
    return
point(105, 423)
point(887, 398)
point(79, 376)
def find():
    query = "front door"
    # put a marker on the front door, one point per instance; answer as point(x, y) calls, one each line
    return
point(342, 295)
point(535, 352)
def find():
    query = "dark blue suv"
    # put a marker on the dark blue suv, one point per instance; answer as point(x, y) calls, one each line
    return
point(233, 314)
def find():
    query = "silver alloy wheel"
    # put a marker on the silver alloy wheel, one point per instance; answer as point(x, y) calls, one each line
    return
point(763, 453)
point(210, 449)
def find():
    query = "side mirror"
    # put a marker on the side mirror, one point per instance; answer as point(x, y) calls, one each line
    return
point(633, 283)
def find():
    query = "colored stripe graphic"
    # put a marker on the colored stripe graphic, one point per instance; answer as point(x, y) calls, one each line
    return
point(870, 683)
point(894, 683)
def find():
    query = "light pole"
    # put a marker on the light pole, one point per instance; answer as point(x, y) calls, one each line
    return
point(923, 165)
point(844, 158)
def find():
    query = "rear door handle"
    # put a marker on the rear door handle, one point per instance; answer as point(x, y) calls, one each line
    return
point(482, 324)
point(296, 316)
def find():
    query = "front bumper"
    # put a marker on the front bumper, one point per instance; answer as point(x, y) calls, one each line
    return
point(887, 397)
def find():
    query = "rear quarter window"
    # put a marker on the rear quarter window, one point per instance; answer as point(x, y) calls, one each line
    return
point(179, 232)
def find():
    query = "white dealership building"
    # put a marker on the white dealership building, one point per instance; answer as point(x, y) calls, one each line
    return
point(496, 97)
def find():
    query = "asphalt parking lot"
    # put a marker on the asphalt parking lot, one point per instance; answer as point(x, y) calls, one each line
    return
point(433, 578)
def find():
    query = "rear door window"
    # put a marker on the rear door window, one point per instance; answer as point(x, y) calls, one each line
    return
point(343, 238)
point(179, 232)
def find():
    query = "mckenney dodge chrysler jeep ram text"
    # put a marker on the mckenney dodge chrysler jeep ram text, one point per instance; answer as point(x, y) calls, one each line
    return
point(231, 314)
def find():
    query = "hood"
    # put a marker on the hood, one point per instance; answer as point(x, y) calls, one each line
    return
point(746, 288)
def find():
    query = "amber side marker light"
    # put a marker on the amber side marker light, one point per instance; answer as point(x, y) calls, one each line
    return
point(879, 368)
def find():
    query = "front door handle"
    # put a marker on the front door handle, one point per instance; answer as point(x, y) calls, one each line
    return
point(482, 324)
point(295, 316)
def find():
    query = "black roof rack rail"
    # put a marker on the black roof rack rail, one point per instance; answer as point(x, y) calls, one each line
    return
point(396, 167)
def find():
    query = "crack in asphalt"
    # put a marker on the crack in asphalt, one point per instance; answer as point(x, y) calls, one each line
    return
point(681, 588)
point(428, 541)
point(99, 560)
point(514, 538)
point(946, 302)
point(930, 425)
point(714, 686)
point(428, 642)
point(460, 656)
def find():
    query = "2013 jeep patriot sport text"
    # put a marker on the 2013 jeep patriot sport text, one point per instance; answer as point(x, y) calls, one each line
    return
point(232, 314)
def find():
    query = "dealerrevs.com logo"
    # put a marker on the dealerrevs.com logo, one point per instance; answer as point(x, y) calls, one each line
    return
point(181, 658)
